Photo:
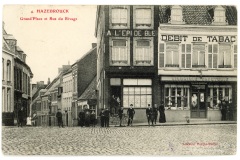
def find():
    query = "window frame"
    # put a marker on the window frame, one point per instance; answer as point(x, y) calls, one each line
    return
point(231, 54)
point(165, 57)
point(198, 59)
point(111, 16)
point(185, 53)
point(135, 15)
point(150, 61)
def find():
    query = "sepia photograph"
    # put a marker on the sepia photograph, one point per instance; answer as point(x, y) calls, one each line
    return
point(148, 80)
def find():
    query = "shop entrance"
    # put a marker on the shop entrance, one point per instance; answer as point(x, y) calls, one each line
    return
point(198, 99)
point(115, 99)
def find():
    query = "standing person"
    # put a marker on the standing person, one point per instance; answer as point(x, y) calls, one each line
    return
point(130, 113)
point(106, 119)
point(230, 110)
point(148, 114)
point(87, 117)
point(223, 108)
point(81, 117)
point(20, 117)
point(59, 118)
point(155, 113)
point(120, 115)
point(92, 118)
point(162, 118)
point(102, 117)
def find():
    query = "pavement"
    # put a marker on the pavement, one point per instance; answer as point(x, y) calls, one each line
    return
point(138, 140)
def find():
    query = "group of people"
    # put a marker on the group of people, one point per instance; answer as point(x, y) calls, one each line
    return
point(86, 118)
point(152, 114)
point(226, 110)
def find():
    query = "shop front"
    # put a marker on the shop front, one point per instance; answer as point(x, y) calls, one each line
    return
point(197, 97)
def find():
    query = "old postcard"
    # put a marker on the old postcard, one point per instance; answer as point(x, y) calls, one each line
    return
point(119, 80)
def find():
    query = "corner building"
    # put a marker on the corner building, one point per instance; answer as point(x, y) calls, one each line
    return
point(127, 58)
point(197, 61)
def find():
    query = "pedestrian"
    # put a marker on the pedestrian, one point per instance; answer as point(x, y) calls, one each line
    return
point(106, 118)
point(131, 114)
point(230, 110)
point(162, 118)
point(59, 118)
point(149, 114)
point(87, 117)
point(120, 115)
point(102, 117)
point(81, 118)
point(223, 108)
point(20, 117)
point(92, 118)
point(155, 113)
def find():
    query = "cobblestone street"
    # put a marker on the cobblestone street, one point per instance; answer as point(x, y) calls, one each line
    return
point(218, 139)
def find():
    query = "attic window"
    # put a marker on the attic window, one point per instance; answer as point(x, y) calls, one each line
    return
point(176, 15)
point(219, 16)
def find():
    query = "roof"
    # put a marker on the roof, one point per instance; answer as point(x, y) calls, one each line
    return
point(89, 52)
point(90, 91)
point(8, 36)
point(198, 15)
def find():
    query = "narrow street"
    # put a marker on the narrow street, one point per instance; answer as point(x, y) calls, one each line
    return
point(218, 139)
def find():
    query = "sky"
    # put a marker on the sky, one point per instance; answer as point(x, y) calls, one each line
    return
point(50, 43)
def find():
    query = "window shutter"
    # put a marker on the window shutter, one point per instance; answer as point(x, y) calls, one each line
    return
point(235, 61)
point(210, 61)
point(188, 61)
point(214, 60)
point(183, 61)
point(161, 60)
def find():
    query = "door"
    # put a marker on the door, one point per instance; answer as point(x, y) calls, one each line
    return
point(198, 99)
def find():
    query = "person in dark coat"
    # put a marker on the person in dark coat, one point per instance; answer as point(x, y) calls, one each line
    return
point(162, 118)
point(223, 108)
point(120, 115)
point(130, 113)
point(59, 118)
point(92, 118)
point(102, 117)
point(20, 117)
point(155, 113)
point(81, 117)
point(150, 114)
point(106, 118)
point(87, 117)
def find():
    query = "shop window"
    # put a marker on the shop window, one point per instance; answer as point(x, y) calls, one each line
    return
point(186, 55)
point(172, 55)
point(212, 55)
point(143, 53)
point(176, 15)
point(161, 50)
point(216, 93)
point(176, 97)
point(143, 17)
point(235, 56)
point(119, 52)
point(224, 56)
point(119, 17)
point(198, 56)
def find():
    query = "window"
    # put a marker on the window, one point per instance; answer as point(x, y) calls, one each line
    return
point(218, 93)
point(143, 17)
point(198, 56)
point(219, 16)
point(224, 56)
point(212, 55)
point(8, 70)
point(186, 55)
point(143, 53)
point(176, 15)
point(119, 17)
point(172, 55)
point(235, 56)
point(161, 50)
point(120, 52)
point(176, 96)
point(135, 93)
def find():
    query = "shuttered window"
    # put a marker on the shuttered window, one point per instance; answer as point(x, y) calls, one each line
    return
point(186, 55)
point(235, 56)
point(172, 55)
point(161, 54)
point(212, 55)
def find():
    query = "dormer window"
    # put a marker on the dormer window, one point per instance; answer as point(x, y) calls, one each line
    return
point(176, 15)
point(219, 16)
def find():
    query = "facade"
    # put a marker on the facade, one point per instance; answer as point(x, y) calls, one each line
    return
point(127, 57)
point(16, 80)
point(185, 56)
point(197, 60)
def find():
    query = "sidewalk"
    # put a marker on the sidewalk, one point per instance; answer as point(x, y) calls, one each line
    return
point(179, 123)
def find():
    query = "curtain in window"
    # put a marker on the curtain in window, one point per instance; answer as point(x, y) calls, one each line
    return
point(224, 54)
point(172, 54)
point(119, 16)
point(119, 50)
point(198, 57)
point(143, 16)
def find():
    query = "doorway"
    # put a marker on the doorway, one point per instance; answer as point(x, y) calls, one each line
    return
point(115, 101)
point(198, 101)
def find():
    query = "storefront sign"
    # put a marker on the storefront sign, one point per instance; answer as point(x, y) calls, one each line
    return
point(184, 38)
point(131, 33)
point(199, 79)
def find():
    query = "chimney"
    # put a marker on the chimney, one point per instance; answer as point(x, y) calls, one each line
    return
point(48, 81)
point(94, 45)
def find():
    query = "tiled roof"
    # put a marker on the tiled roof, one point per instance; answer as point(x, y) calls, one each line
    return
point(90, 92)
point(198, 15)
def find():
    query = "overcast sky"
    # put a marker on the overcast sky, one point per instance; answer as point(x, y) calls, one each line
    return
point(49, 44)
